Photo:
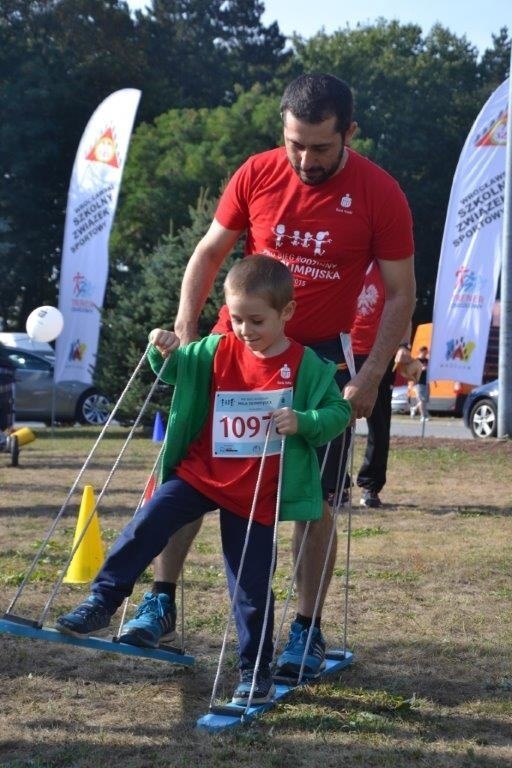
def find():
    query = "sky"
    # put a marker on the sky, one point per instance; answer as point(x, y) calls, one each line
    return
point(477, 19)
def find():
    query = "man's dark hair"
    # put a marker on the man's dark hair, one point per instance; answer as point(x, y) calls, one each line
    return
point(315, 98)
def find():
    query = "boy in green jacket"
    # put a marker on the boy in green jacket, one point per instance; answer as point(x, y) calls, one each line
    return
point(229, 391)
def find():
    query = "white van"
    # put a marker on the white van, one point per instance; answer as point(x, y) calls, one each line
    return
point(23, 341)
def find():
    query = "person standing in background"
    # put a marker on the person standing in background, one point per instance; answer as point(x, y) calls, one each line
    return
point(371, 477)
point(6, 393)
point(422, 386)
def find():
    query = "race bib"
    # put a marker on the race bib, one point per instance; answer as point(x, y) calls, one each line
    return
point(241, 421)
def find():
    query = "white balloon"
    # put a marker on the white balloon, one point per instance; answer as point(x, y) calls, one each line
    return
point(44, 323)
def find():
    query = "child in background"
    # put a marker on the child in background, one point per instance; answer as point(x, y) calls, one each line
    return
point(227, 388)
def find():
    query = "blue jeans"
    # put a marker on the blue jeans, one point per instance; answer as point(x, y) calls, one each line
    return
point(174, 504)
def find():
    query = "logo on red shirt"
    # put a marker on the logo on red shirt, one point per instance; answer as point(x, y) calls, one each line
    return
point(301, 239)
point(345, 204)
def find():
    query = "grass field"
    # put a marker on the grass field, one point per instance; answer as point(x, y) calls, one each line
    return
point(429, 623)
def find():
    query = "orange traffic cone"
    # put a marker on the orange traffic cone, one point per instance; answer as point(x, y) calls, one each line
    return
point(149, 490)
point(90, 554)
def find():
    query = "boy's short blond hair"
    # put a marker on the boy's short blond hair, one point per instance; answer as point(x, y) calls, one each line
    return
point(264, 276)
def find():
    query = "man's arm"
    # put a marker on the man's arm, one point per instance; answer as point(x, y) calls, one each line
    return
point(199, 276)
point(400, 287)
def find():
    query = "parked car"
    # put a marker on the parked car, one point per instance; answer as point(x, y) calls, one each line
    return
point(400, 399)
point(35, 395)
point(23, 341)
point(480, 411)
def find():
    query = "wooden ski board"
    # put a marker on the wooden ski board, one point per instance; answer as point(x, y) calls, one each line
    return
point(171, 655)
point(214, 722)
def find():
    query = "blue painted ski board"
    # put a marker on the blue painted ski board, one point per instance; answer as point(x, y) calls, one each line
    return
point(214, 722)
point(97, 643)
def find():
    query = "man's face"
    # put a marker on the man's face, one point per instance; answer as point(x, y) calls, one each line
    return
point(315, 150)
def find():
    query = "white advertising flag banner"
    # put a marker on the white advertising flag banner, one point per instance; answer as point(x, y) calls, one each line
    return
point(92, 200)
point(469, 265)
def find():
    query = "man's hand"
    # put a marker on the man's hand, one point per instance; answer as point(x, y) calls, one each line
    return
point(408, 366)
point(403, 356)
point(361, 392)
point(165, 341)
point(285, 420)
point(411, 370)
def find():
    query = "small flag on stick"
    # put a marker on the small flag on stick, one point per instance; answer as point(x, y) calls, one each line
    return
point(158, 428)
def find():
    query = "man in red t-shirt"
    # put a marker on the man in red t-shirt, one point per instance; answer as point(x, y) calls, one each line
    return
point(371, 477)
point(326, 212)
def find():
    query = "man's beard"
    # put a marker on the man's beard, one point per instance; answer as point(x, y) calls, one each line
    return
point(318, 175)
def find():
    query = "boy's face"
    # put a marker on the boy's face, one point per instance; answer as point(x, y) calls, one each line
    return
point(256, 324)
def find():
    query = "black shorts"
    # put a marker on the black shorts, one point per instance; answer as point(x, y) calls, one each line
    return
point(334, 469)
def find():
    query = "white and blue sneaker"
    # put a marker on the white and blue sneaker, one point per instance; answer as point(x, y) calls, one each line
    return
point(289, 662)
point(264, 690)
point(154, 622)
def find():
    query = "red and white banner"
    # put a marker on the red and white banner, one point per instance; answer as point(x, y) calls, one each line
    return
point(470, 261)
point(92, 200)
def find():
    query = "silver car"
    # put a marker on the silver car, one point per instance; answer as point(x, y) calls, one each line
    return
point(400, 402)
point(36, 396)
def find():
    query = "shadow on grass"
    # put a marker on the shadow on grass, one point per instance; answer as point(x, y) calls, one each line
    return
point(43, 510)
point(469, 673)
point(170, 745)
point(467, 510)
point(90, 757)
point(92, 433)
point(389, 714)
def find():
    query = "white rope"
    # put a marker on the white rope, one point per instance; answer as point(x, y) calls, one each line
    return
point(72, 490)
point(182, 611)
point(346, 584)
point(349, 357)
point(298, 559)
point(182, 587)
point(338, 501)
point(270, 579)
point(112, 472)
point(63, 508)
point(242, 561)
point(337, 504)
point(139, 505)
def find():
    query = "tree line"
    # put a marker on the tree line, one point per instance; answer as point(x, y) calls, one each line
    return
point(211, 75)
